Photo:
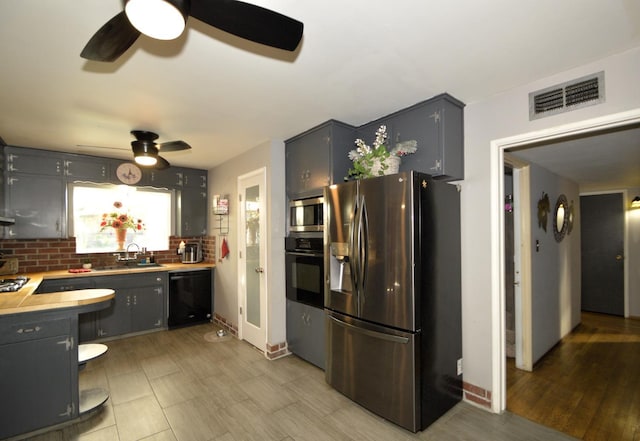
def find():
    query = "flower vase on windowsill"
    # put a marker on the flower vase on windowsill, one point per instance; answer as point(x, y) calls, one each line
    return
point(121, 235)
point(369, 162)
point(120, 222)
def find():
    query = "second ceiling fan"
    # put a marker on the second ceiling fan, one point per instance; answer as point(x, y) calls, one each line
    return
point(166, 19)
point(146, 150)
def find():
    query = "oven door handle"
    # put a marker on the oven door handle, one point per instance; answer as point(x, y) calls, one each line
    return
point(296, 253)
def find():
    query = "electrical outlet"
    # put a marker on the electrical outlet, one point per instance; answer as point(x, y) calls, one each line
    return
point(459, 366)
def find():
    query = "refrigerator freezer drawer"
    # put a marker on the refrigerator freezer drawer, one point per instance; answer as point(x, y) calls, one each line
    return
point(375, 367)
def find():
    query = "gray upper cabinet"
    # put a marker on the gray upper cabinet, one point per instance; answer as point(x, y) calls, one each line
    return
point(35, 190)
point(33, 161)
point(86, 168)
point(35, 194)
point(167, 178)
point(194, 178)
point(193, 212)
point(192, 216)
point(318, 158)
point(437, 126)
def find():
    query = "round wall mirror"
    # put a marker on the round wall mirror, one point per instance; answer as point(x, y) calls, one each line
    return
point(561, 218)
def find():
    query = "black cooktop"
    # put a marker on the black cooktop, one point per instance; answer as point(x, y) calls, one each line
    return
point(13, 284)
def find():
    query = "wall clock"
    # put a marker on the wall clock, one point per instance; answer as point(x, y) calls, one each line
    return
point(129, 173)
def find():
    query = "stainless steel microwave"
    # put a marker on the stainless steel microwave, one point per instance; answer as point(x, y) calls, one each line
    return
point(306, 215)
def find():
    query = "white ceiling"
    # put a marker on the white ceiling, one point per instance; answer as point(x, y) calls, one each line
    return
point(609, 160)
point(358, 60)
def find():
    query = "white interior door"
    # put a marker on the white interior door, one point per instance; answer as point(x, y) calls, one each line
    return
point(252, 262)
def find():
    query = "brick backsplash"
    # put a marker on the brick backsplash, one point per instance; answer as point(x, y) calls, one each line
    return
point(37, 255)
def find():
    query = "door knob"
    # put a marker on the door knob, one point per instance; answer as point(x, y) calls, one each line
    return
point(619, 257)
point(259, 270)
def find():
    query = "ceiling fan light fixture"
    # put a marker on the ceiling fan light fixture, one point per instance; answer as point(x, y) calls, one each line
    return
point(146, 159)
point(160, 19)
point(145, 153)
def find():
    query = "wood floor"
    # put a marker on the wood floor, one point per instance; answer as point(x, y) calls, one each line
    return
point(179, 385)
point(588, 386)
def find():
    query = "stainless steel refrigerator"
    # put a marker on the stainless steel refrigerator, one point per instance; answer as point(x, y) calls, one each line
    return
point(392, 296)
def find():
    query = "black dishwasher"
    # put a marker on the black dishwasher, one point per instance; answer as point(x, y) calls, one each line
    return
point(190, 297)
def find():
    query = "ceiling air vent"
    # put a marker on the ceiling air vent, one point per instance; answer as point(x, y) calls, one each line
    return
point(568, 96)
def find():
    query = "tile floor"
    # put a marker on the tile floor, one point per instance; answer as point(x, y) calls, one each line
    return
point(177, 385)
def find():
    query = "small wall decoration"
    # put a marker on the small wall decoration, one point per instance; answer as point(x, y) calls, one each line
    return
point(544, 207)
point(561, 218)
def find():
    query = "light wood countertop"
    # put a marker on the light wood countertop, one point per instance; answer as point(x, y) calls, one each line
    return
point(25, 301)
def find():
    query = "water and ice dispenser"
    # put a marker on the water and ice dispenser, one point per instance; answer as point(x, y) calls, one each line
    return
point(340, 268)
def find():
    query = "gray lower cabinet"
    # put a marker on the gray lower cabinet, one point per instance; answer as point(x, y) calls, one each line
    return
point(86, 321)
point(306, 332)
point(139, 305)
point(38, 373)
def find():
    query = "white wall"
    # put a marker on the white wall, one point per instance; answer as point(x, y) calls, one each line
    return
point(223, 180)
point(555, 267)
point(502, 116)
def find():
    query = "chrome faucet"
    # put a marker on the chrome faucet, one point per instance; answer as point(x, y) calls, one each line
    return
point(126, 255)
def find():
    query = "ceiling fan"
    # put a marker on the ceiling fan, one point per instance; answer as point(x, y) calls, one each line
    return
point(145, 149)
point(166, 19)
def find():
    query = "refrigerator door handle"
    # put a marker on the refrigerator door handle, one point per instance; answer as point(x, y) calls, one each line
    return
point(353, 251)
point(363, 232)
point(370, 333)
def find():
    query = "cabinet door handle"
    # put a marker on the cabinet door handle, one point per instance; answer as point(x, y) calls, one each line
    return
point(28, 330)
point(70, 410)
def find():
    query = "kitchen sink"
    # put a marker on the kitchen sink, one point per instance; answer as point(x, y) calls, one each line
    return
point(126, 266)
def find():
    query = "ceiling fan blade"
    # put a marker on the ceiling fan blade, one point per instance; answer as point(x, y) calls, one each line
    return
point(100, 147)
point(173, 146)
point(250, 22)
point(112, 40)
point(161, 164)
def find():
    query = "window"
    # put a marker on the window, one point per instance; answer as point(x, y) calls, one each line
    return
point(99, 211)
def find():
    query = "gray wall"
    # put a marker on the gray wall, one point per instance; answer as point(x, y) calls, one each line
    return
point(555, 267)
point(506, 115)
point(223, 180)
point(633, 254)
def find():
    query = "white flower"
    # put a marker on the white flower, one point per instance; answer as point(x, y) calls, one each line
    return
point(381, 136)
point(405, 148)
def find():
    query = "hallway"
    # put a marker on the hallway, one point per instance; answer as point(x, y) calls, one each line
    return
point(587, 385)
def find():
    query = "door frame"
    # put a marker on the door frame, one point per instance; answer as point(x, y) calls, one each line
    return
point(497, 149)
point(261, 174)
point(522, 261)
point(625, 243)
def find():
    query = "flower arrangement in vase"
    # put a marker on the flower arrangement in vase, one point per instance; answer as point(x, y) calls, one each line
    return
point(374, 161)
point(120, 222)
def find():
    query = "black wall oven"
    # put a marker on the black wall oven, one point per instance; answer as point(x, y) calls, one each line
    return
point(305, 270)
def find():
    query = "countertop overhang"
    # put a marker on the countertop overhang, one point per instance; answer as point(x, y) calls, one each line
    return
point(25, 300)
